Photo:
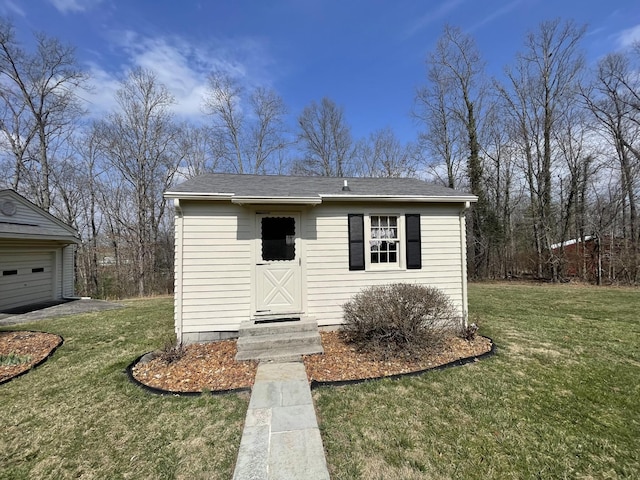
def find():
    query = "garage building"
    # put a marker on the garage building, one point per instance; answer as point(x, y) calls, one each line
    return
point(36, 254)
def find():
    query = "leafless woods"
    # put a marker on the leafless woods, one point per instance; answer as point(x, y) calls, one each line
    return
point(551, 149)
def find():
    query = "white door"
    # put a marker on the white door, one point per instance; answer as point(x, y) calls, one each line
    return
point(278, 264)
point(25, 278)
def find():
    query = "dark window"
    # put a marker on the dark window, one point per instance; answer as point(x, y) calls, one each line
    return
point(37, 270)
point(356, 241)
point(9, 272)
point(278, 238)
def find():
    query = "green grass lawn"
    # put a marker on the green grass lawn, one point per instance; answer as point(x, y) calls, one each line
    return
point(560, 399)
point(78, 416)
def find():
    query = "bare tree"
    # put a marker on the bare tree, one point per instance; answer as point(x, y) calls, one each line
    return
point(451, 106)
point(199, 149)
point(612, 100)
point(574, 138)
point(542, 84)
point(39, 106)
point(503, 195)
point(138, 141)
point(245, 142)
point(443, 136)
point(90, 216)
point(325, 139)
point(383, 155)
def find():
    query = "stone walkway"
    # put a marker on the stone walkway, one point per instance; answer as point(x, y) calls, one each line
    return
point(281, 439)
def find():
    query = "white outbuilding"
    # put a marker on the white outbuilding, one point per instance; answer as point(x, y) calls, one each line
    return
point(261, 246)
point(36, 254)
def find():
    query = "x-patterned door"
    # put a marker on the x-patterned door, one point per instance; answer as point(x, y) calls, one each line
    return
point(278, 264)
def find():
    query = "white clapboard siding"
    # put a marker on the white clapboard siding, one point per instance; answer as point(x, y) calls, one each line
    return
point(215, 249)
point(330, 284)
point(68, 271)
point(213, 254)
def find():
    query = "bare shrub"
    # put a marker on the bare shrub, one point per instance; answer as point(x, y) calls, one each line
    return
point(399, 319)
point(468, 332)
point(171, 352)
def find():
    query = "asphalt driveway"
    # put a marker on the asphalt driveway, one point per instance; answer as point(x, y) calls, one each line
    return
point(47, 310)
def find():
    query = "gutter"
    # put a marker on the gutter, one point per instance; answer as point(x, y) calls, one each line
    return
point(401, 198)
point(249, 200)
point(199, 196)
point(316, 200)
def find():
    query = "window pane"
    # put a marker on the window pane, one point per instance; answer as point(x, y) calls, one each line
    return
point(278, 238)
point(384, 239)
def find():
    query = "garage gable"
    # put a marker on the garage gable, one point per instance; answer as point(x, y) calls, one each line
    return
point(21, 219)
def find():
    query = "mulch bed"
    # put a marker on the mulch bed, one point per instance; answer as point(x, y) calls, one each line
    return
point(37, 346)
point(205, 366)
point(212, 366)
point(342, 361)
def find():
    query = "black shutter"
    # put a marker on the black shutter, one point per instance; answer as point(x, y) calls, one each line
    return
point(414, 254)
point(356, 241)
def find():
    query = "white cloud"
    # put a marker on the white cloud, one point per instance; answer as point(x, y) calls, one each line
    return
point(181, 66)
point(434, 15)
point(495, 14)
point(65, 6)
point(628, 37)
point(8, 6)
point(101, 98)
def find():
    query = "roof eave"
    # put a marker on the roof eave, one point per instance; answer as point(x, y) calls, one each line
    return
point(44, 237)
point(316, 200)
point(401, 198)
point(250, 200)
point(198, 195)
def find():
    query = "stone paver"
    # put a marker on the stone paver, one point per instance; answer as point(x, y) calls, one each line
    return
point(281, 439)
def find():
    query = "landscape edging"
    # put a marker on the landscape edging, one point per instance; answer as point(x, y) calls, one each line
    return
point(455, 363)
point(160, 391)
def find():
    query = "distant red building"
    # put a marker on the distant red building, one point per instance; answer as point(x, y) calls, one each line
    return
point(595, 254)
point(574, 255)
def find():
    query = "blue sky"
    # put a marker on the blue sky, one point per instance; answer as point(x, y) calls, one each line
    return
point(366, 55)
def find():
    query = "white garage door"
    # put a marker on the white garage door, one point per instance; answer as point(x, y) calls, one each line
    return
point(25, 278)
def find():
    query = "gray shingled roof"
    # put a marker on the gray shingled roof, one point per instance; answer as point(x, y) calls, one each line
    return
point(280, 186)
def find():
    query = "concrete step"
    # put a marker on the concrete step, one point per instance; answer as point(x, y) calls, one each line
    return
point(279, 355)
point(283, 340)
point(251, 329)
point(278, 341)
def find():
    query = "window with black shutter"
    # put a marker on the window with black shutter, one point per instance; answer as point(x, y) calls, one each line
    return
point(380, 245)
